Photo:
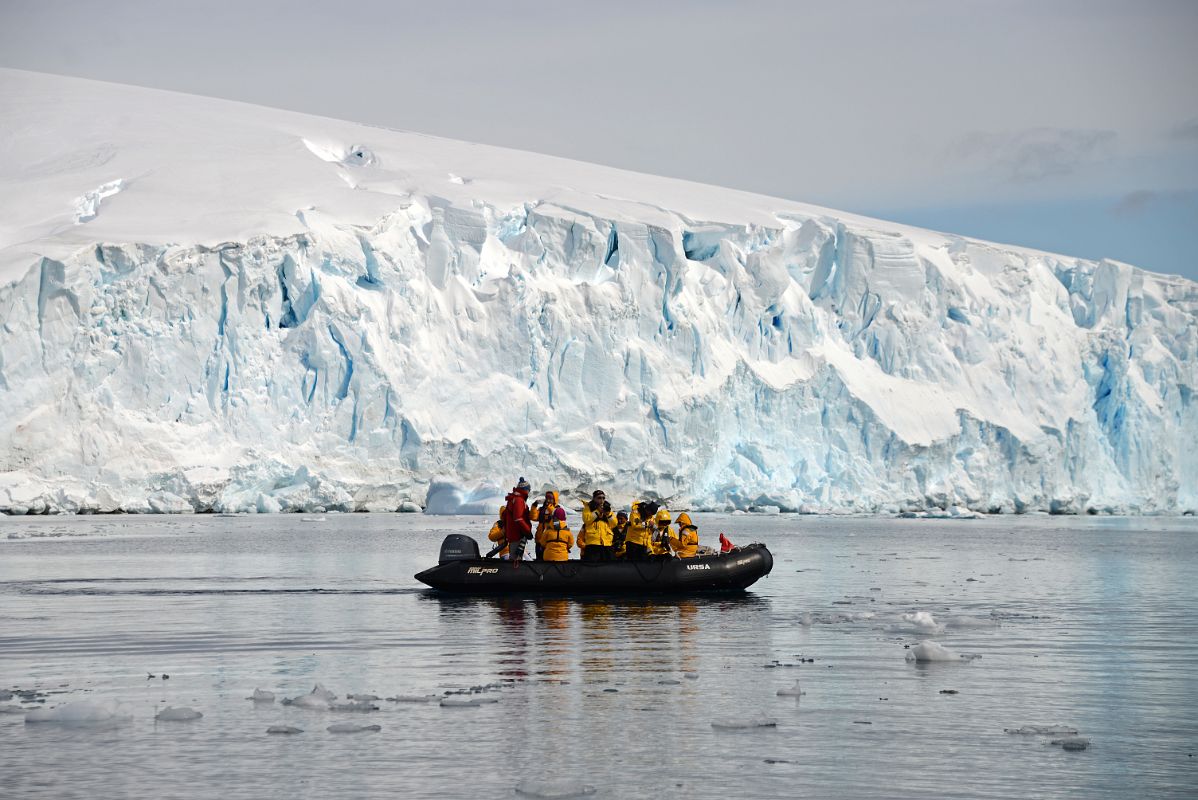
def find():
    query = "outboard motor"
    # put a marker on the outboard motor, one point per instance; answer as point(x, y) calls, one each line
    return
point(458, 547)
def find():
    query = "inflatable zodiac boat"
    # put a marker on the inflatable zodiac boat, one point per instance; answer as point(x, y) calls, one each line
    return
point(461, 569)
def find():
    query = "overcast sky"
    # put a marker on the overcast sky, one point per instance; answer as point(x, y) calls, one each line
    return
point(1068, 125)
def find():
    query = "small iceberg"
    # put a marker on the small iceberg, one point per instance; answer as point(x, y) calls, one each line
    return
point(791, 691)
point(1072, 743)
point(81, 714)
point(363, 698)
point(929, 652)
point(319, 699)
point(363, 705)
point(284, 729)
point(180, 714)
point(262, 696)
point(350, 727)
point(744, 723)
point(554, 788)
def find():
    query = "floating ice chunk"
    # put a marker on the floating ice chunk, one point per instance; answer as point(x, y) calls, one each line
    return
point(350, 727)
point(554, 788)
point(11, 708)
point(744, 723)
point(1072, 743)
point(923, 621)
point(408, 507)
point(365, 698)
point(791, 691)
point(284, 729)
point(82, 714)
point(467, 702)
point(87, 206)
point(363, 705)
point(694, 676)
point(415, 698)
point(262, 696)
point(319, 699)
point(1042, 730)
point(926, 652)
point(180, 714)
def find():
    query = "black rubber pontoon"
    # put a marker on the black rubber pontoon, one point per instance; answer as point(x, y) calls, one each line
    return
point(462, 569)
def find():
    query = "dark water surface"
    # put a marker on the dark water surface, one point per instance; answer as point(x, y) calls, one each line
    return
point(1088, 623)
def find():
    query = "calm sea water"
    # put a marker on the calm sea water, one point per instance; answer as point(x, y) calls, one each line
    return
point(1087, 623)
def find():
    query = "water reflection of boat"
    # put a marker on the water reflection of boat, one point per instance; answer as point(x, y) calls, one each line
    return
point(462, 569)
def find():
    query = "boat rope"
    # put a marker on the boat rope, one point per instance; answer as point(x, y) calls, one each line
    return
point(660, 566)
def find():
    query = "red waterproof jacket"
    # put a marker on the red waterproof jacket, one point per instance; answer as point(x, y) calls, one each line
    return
point(517, 523)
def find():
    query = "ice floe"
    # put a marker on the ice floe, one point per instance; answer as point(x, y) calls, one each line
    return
point(177, 714)
point(350, 727)
point(284, 729)
point(1072, 743)
point(929, 652)
point(82, 714)
point(467, 702)
point(554, 788)
point(791, 691)
point(319, 699)
point(262, 696)
point(414, 698)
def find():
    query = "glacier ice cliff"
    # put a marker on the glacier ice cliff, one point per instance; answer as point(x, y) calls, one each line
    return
point(802, 359)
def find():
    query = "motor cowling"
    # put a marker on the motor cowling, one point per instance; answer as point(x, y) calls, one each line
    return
point(458, 547)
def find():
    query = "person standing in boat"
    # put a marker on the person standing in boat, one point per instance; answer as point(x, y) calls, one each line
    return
point(542, 514)
point(517, 523)
point(638, 533)
point(686, 543)
point(555, 539)
point(597, 523)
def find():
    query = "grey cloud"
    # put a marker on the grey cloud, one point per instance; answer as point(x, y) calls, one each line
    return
point(1035, 154)
point(1134, 202)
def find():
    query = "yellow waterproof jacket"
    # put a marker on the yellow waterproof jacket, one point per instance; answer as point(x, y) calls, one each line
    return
point(496, 535)
point(543, 515)
point(686, 543)
point(595, 530)
point(557, 543)
point(638, 529)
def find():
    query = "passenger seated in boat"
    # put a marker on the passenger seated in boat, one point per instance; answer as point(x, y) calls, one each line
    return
point(555, 540)
point(497, 535)
point(659, 546)
point(686, 543)
point(618, 534)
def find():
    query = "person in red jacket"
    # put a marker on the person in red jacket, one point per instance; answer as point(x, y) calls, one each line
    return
point(725, 544)
point(517, 523)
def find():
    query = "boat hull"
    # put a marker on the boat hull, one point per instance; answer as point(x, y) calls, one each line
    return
point(726, 572)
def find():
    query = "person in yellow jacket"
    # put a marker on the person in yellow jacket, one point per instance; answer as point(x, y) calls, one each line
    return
point(659, 545)
point(686, 543)
point(541, 514)
point(554, 539)
point(498, 536)
point(597, 523)
point(638, 534)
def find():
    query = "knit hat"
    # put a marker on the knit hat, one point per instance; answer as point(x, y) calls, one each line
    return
point(559, 513)
point(522, 484)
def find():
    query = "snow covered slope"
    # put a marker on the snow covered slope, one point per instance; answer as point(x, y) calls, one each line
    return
point(205, 304)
